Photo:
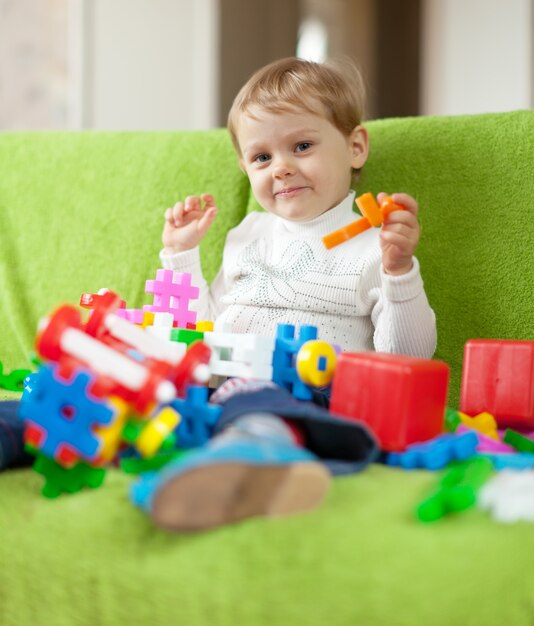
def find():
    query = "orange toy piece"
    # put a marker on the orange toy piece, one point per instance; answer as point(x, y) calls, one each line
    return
point(373, 215)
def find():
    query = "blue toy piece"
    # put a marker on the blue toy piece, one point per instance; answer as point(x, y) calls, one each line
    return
point(436, 453)
point(521, 461)
point(198, 417)
point(66, 413)
point(284, 356)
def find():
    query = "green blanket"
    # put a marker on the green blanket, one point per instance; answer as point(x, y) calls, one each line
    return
point(360, 559)
point(81, 211)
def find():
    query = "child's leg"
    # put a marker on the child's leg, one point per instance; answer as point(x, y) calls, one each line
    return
point(252, 468)
point(12, 452)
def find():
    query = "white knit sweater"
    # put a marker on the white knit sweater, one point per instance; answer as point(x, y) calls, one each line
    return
point(277, 271)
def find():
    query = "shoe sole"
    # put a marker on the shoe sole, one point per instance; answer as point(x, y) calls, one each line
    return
point(213, 495)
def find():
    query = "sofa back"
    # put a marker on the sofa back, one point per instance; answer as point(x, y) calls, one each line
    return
point(81, 211)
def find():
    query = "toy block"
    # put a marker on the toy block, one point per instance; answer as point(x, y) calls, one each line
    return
point(498, 377)
point(486, 444)
point(14, 381)
point(163, 333)
point(242, 355)
point(509, 496)
point(483, 422)
point(452, 419)
point(137, 465)
point(61, 416)
point(147, 319)
point(186, 335)
point(142, 384)
point(457, 489)
point(193, 368)
point(204, 326)
point(436, 453)
point(316, 363)
point(402, 399)
point(172, 293)
point(91, 300)
point(511, 461)
point(59, 479)
point(373, 215)
point(135, 316)
point(163, 319)
point(284, 359)
point(154, 433)
point(198, 417)
point(110, 435)
point(518, 441)
point(104, 324)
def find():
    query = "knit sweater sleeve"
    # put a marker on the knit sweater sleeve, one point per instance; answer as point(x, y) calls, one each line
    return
point(403, 320)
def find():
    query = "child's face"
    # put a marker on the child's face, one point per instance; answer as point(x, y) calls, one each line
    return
point(299, 164)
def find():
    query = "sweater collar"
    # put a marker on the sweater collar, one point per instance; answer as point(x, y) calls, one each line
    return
point(336, 217)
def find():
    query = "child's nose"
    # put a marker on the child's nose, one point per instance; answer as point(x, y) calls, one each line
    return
point(283, 167)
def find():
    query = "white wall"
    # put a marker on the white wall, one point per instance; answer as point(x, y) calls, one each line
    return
point(477, 56)
point(146, 64)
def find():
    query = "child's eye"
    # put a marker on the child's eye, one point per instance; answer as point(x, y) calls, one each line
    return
point(303, 146)
point(262, 158)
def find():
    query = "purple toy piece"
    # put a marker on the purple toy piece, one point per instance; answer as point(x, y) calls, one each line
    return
point(486, 444)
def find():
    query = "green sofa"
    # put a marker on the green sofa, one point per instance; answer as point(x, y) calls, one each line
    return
point(81, 211)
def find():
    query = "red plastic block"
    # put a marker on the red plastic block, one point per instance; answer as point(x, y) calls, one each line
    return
point(403, 399)
point(498, 377)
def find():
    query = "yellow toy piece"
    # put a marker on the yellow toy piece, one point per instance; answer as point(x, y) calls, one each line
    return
point(483, 422)
point(204, 326)
point(111, 434)
point(316, 363)
point(156, 431)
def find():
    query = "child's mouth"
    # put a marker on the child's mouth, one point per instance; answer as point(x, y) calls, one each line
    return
point(290, 192)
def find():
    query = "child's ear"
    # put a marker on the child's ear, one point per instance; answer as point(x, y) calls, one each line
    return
point(359, 147)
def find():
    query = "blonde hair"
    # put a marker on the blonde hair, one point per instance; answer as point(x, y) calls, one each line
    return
point(294, 83)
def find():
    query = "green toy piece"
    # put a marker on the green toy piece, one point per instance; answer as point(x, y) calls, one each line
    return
point(457, 489)
point(60, 479)
point(13, 381)
point(186, 335)
point(135, 465)
point(452, 420)
point(518, 441)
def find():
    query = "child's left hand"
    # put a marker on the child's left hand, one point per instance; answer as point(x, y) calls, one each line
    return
point(399, 235)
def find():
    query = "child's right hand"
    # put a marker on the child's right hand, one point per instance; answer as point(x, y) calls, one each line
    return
point(187, 222)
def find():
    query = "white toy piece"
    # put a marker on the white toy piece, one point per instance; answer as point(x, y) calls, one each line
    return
point(154, 345)
point(241, 355)
point(509, 496)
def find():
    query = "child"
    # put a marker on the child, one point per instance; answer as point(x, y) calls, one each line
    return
point(296, 127)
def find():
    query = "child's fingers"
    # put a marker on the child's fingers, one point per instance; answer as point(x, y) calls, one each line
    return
point(192, 203)
point(407, 201)
point(207, 220)
point(173, 215)
point(208, 199)
point(401, 217)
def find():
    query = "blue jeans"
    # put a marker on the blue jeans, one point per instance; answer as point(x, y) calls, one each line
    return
point(12, 453)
